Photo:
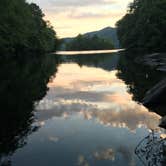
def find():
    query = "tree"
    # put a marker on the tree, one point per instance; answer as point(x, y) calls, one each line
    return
point(143, 27)
point(23, 28)
point(82, 42)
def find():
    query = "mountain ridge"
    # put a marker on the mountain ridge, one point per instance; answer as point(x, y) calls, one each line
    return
point(109, 33)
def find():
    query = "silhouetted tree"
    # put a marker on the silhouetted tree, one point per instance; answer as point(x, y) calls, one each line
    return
point(143, 27)
point(23, 28)
point(89, 43)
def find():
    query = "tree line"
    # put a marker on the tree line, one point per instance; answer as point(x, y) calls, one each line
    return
point(82, 42)
point(22, 27)
point(144, 26)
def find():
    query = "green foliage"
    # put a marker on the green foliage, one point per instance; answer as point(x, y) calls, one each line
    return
point(23, 28)
point(89, 43)
point(143, 27)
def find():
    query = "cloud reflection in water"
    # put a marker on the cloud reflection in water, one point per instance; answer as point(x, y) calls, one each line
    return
point(95, 93)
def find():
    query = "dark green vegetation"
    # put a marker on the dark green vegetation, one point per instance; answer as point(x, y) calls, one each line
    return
point(143, 27)
point(23, 83)
point(22, 28)
point(139, 78)
point(107, 33)
point(89, 43)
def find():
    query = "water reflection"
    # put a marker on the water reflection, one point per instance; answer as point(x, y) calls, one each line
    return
point(84, 116)
point(152, 150)
point(139, 79)
point(23, 82)
point(102, 96)
point(87, 52)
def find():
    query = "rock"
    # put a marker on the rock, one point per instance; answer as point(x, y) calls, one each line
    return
point(156, 95)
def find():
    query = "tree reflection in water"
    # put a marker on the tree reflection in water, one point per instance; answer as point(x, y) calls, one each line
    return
point(152, 150)
point(23, 82)
point(140, 78)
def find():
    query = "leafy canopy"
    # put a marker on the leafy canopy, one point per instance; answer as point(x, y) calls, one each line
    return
point(143, 27)
point(23, 28)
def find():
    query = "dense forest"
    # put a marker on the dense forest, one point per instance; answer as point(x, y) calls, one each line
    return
point(143, 27)
point(23, 28)
point(89, 43)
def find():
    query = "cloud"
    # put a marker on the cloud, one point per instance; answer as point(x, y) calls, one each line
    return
point(124, 114)
point(128, 116)
point(70, 4)
point(76, 3)
point(107, 154)
point(85, 96)
point(81, 16)
point(80, 8)
point(110, 154)
point(64, 108)
point(54, 139)
point(82, 161)
point(86, 15)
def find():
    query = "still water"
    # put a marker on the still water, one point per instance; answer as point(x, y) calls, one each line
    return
point(88, 117)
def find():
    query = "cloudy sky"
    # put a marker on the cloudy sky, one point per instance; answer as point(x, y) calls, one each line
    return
point(70, 17)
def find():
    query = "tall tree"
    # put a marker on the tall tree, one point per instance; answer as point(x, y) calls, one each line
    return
point(143, 27)
point(23, 28)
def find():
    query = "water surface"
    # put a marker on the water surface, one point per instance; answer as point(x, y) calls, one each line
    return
point(87, 52)
point(87, 118)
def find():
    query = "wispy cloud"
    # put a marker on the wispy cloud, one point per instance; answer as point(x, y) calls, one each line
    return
point(89, 15)
point(80, 16)
point(76, 3)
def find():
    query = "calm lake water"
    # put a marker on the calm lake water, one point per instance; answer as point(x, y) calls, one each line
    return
point(90, 115)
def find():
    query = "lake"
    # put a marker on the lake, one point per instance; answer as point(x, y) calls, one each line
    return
point(84, 111)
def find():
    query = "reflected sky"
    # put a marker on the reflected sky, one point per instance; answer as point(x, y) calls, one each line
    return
point(87, 118)
point(94, 93)
point(87, 52)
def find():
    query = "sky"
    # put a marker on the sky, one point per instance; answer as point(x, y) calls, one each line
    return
point(71, 17)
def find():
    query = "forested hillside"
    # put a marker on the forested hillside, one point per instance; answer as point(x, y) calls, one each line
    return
point(108, 34)
point(82, 42)
point(22, 27)
point(144, 26)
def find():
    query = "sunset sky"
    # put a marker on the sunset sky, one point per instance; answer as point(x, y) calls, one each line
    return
point(71, 17)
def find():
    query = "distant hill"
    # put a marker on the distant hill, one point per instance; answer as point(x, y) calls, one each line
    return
point(106, 33)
